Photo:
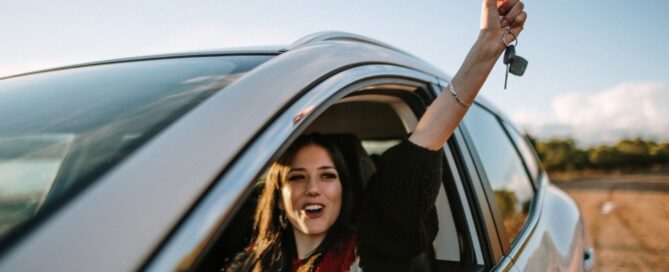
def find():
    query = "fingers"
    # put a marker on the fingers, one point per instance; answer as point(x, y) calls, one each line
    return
point(512, 13)
point(505, 6)
point(519, 22)
point(517, 25)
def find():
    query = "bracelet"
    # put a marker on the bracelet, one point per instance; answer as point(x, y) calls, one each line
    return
point(457, 98)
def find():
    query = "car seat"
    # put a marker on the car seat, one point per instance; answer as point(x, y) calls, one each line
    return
point(360, 164)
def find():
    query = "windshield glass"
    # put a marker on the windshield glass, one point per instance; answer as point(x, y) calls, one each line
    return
point(63, 129)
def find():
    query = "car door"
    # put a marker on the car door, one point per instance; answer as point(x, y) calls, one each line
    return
point(559, 240)
point(538, 227)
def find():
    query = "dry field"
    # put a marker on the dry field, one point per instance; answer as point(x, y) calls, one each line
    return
point(628, 220)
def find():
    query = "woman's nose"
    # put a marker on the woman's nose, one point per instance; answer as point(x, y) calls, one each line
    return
point(313, 188)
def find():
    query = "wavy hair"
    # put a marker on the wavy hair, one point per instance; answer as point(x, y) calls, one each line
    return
point(273, 248)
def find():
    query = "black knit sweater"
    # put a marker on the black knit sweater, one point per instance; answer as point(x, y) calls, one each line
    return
point(398, 219)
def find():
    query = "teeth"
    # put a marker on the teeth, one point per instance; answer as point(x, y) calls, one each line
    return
point(313, 207)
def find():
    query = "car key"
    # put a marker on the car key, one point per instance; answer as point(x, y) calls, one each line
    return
point(509, 56)
point(515, 64)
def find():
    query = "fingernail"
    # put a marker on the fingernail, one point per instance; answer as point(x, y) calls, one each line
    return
point(505, 23)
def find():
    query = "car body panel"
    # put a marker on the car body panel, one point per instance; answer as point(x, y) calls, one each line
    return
point(558, 242)
point(553, 236)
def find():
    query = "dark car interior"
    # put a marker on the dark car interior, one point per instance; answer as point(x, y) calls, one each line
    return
point(362, 124)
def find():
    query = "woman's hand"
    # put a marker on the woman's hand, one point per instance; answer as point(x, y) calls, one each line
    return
point(496, 16)
point(445, 113)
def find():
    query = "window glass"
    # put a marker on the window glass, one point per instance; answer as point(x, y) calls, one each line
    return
point(378, 147)
point(503, 168)
point(525, 150)
point(446, 244)
point(62, 129)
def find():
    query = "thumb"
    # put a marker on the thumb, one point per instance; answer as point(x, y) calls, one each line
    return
point(490, 14)
point(490, 3)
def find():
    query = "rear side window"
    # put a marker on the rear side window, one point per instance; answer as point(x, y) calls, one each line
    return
point(512, 189)
point(525, 151)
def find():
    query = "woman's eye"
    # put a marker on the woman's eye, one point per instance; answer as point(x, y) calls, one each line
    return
point(296, 178)
point(329, 175)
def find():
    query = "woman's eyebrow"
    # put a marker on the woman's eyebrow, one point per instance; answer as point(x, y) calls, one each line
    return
point(304, 170)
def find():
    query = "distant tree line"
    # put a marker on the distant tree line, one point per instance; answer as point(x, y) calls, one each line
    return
point(564, 155)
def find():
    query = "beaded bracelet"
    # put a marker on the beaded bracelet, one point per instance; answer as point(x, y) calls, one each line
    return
point(457, 98)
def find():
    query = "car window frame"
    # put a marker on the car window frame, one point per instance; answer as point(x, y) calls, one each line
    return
point(185, 247)
point(484, 218)
point(540, 183)
point(508, 249)
point(465, 208)
point(534, 177)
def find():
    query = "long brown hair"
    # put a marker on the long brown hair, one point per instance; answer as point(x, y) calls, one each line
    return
point(273, 248)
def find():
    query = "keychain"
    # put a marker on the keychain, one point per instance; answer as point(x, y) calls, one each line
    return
point(514, 64)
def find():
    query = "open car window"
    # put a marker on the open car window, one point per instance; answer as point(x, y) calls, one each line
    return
point(379, 116)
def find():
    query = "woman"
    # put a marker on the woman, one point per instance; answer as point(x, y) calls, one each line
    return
point(303, 220)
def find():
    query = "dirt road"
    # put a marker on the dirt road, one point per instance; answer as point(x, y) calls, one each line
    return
point(628, 220)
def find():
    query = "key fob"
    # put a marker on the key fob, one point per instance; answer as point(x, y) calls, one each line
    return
point(518, 66)
point(509, 54)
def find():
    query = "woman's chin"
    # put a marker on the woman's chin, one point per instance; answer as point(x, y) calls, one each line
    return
point(314, 229)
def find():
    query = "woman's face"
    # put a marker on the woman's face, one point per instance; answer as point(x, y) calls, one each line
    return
point(312, 192)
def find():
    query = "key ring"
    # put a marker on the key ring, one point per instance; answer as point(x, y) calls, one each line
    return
point(508, 32)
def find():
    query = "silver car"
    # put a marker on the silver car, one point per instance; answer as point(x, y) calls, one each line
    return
point(151, 163)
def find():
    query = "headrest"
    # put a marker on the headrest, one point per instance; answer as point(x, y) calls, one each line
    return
point(360, 164)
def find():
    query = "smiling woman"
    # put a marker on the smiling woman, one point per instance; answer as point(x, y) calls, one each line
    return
point(312, 196)
point(304, 219)
point(305, 207)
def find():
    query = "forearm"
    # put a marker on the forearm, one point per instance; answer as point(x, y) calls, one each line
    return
point(475, 69)
point(445, 113)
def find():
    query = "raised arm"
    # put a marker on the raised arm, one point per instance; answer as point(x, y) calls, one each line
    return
point(445, 113)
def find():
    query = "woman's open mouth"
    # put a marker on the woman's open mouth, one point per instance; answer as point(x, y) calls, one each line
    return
point(313, 210)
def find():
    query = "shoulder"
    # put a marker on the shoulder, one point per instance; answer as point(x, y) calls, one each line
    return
point(408, 149)
point(407, 156)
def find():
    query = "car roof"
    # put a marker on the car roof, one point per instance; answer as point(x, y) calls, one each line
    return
point(251, 50)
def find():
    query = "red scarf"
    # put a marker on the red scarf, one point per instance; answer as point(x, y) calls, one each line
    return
point(334, 261)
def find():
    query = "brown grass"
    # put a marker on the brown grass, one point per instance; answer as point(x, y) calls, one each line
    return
point(634, 234)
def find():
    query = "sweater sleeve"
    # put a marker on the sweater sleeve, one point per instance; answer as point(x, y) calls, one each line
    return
point(398, 219)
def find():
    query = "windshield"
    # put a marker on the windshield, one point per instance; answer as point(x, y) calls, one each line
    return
point(63, 129)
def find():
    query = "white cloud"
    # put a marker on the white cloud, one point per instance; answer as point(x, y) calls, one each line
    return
point(633, 109)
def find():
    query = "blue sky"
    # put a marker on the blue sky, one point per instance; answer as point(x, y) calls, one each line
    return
point(597, 69)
